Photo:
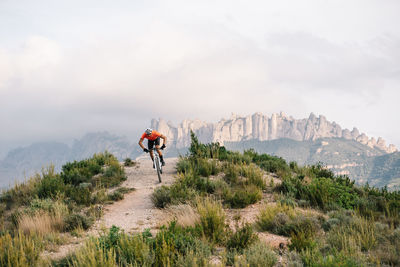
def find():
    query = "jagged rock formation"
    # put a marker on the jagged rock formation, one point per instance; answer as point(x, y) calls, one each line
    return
point(263, 128)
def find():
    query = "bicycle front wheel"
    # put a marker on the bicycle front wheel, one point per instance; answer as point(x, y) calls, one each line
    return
point(158, 167)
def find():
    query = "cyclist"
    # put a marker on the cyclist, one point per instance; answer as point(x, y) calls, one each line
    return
point(153, 138)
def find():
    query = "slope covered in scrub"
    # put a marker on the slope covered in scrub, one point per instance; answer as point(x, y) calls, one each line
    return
point(236, 209)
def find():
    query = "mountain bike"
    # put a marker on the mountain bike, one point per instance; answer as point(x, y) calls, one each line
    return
point(157, 163)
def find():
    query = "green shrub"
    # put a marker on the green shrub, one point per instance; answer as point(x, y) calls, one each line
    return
point(258, 254)
point(359, 233)
point(191, 258)
point(19, 250)
point(80, 195)
point(21, 193)
point(100, 196)
point(128, 162)
point(116, 196)
point(194, 181)
point(204, 167)
point(51, 184)
point(212, 219)
point(134, 250)
point(95, 211)
point(269, 220)
point(232, 172)
point(242, 238)
point(111, 239)
point(330, 223)
point(254, 175)
point(174, 240)
point(326, 193)
point(76, 220)
point(161, 196)
point(241, 197)
point(83, 171)
point(301, 240)
point(313, 257)
point(184, 165)
point(91, 255)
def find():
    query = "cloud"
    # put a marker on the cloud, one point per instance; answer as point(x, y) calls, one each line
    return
point(52, 90)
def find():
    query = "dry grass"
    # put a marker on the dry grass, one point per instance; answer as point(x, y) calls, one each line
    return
point(41, 223)
point(185, 215)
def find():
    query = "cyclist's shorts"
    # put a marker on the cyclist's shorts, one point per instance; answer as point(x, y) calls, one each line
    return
point(150, 143)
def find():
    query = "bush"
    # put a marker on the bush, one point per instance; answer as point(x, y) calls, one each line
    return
point(50, 185)
point(359, 233)
point(177, 193)
point(184, 165)
point(212, 219)
point(242, 238)
point(161, 197)
point(194, 181)
point(129, 162)
point(83, 171)
point(258, 254)
point(172, 241)
point(204, 167)
point(191, 258)
point(19, 250)
point(91, 255)
point(81, 195)
point(301, 240)
point(21, 194)
point(134, 250)
point(115, 196)
point(330, 223)
point(231, 173)
point(77, 220)
point(254, 176)
point(313, 257)
point(272, 217)
point(325, 192)
point(244, 196)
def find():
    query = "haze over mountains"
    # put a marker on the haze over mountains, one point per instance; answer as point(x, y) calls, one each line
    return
point(307, 141)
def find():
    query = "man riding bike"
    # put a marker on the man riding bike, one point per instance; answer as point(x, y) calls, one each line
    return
point(153, 138)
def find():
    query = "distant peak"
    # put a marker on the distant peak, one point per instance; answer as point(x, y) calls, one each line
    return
point(261, 127)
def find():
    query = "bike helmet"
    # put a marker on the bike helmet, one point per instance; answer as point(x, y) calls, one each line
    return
point(149, 131)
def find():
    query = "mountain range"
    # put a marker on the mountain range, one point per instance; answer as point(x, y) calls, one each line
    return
point(307, 141)
point(263, 128)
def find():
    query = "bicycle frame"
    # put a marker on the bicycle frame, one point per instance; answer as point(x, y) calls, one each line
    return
point(157, 163)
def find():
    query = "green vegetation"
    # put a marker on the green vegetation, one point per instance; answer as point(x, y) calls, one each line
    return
point(34, 214)
point(328, 220)
point(353, 226)
point(128, 162)
point(379, 170)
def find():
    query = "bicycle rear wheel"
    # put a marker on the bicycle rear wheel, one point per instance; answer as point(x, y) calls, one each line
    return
point(158, 167)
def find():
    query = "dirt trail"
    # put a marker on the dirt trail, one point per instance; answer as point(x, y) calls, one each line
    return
point(136, 212)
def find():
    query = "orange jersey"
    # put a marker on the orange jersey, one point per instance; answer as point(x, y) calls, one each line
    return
point(153, 136)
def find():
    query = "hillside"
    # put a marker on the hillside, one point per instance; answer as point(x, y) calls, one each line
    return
point(306, 141)
point(385, 171)
point(221, 208)
point(360, 162)
point(21, 163)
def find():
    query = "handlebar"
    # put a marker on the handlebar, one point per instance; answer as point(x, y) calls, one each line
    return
point(153, 149)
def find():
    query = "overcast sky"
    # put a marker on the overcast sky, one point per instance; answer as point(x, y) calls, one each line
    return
point(69, 67)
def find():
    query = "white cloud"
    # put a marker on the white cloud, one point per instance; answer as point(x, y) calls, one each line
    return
point(195, 62)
